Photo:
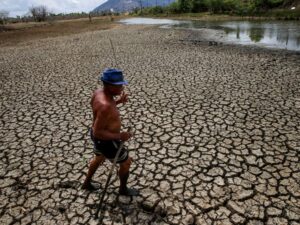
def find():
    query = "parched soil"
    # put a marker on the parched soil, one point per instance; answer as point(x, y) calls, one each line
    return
point(13, 34)
point(216, 130)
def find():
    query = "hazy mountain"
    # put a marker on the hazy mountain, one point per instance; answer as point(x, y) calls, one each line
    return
point(128, 5)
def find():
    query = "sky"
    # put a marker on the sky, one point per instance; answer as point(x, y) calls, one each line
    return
point(21, 7)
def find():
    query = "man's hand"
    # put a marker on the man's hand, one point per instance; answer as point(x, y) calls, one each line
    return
point(122, 99)
point(124, 136)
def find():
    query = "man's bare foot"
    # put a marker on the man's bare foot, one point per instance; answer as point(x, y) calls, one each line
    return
point(129, 192)
point(90, 186)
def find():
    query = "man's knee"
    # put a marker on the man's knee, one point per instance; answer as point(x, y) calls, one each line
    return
point(98, 159)
point(126, 164)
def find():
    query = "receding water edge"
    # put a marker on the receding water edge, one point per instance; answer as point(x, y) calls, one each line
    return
point(270, 34)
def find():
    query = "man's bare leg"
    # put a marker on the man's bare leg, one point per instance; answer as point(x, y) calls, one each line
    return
point(123, 175)
point(94, 164)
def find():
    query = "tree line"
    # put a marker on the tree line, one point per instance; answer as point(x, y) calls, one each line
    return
point(232, 7)
point(42, 13)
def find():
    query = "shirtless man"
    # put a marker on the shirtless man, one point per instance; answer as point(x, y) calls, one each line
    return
point(106, 129)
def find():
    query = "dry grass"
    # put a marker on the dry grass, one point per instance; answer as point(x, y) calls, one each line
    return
point(13, 34)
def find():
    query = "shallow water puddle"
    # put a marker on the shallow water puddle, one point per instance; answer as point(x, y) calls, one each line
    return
point(271, 34)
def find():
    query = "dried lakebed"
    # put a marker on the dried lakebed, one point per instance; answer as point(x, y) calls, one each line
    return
point(216, 140)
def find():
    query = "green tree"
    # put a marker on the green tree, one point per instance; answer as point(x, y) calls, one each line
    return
point(214, 6)
point(173, 8)
point(197, 6)
point(183, 5)
point(3, 16)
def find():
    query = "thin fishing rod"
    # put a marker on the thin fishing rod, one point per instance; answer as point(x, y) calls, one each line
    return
point(116, 64)
point(114, 53)
point(108, 180)
point(100, 206)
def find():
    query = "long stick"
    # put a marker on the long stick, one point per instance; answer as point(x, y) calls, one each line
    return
point(108, 179)
point(116, 157)
point(114, 53)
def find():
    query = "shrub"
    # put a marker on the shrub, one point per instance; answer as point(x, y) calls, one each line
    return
point(173, 8)
point(39, 13)
point(3, 16)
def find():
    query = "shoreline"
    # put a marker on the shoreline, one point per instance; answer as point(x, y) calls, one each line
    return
point(216, 38)
point(217, 17)
point(35, 31)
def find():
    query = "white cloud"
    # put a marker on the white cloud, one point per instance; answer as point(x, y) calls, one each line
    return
point(20, 7)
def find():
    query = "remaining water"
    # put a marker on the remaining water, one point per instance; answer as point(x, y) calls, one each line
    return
point(150, 21)
point(272, 34)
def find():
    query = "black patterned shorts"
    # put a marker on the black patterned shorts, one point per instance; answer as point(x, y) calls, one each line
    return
point(109, 149)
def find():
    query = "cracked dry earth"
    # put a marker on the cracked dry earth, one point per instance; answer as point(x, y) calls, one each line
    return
point(216, 130)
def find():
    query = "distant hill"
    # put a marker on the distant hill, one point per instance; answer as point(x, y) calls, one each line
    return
point(129, 5)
